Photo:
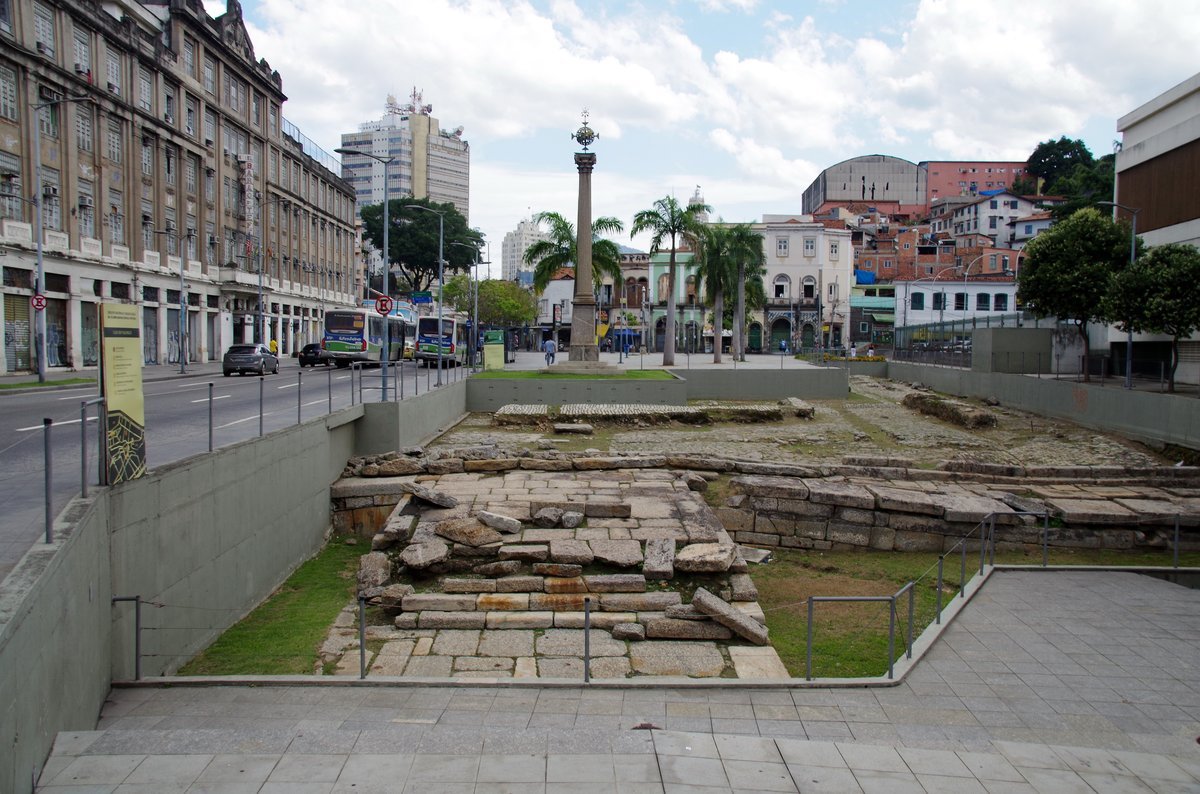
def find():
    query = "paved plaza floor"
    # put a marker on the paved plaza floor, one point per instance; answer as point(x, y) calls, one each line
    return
point(1046, 681)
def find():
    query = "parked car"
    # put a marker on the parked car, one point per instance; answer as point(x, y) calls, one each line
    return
point(313, 354)
point(256, 359)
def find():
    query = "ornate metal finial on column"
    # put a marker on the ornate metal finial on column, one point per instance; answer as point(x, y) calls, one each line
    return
point(583, 306)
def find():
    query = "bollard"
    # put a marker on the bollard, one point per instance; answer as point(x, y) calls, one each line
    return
point(46, 423)
point(260, 407)
point(299, 390)
point(362, 637)
point(587, 640)
point(937, 615)
point(210, 417)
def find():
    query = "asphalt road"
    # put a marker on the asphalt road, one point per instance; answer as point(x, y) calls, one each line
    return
point(176, 428)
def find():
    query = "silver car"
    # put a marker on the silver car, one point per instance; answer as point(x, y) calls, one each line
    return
point(257, 359)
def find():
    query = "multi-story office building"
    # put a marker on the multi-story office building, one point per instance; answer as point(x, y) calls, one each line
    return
point(516, 243)
point(429, 162)
point(151, 143)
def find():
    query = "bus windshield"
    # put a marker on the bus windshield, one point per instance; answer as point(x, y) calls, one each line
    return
point(338, 322)
point(427, 326)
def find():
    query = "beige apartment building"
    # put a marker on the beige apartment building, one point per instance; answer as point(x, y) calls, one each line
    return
point(155, 144)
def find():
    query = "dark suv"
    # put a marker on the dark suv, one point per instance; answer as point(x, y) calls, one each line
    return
point(313, 354)
point(257, 359)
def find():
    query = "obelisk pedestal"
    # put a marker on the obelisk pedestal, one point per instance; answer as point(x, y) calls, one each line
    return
point(583, 305)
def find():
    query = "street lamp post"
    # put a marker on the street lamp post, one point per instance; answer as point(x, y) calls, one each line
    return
point(387, 325)
point(441, 276)
point(473, 347)
point(40, 286)
point(1132, 257)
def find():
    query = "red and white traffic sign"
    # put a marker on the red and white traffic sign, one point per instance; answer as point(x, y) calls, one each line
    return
point(38, 302)
point(383, 305)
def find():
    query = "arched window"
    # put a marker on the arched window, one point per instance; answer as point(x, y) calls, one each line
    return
point(810, 288)
point(689, 285)
point(783, 287)
point(664, 286)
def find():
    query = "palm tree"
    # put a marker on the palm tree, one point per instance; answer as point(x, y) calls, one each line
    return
point(717, 274)
point(549, 256)
point(746, 251)
point(669, 219)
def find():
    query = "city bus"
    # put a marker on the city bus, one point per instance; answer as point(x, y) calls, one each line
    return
point(357, 334)
point(453, 340)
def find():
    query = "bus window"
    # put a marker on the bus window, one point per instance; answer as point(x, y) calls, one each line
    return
point(344, 322)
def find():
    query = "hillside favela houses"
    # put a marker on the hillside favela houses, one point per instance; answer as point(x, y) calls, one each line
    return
point(145, 158)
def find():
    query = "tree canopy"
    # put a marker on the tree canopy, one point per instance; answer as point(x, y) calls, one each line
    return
point(1053, 160)
point(1067, 269)
point(1159, 294)
point(670, 220)
point(501, 303)
point(413, 240)
point(559, 251)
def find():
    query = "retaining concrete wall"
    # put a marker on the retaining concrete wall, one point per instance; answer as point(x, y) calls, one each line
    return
point(385, 427)
point(826, 383)
point(489, 394)
point(1148, 416)
point(54, 640)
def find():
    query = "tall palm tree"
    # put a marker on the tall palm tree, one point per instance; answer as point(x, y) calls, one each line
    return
point(549, 256)
point(718, 272)
point(746, 251)
point(669, 219)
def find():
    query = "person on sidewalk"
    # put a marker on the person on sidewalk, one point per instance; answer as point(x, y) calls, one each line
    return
point(274, 348)
point(550, 348)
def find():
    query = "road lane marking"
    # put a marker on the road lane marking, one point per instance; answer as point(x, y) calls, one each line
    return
point(287, 386)
point(75, 395)
point(316, 402)
point(56, 424)
point(239, 421)
point(219, 397)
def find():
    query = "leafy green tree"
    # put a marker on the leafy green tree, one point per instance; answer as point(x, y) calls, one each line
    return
point(1068, 269)
point(501, 303)
point(668, 219)
point(1052, 160)
point(718, 273)
point(746, 250)
point(1159, 293)
point(1084, 186)
point(413, 240)
point(549, 256)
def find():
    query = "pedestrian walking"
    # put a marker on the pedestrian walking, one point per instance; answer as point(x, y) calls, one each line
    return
point(274, 347)
point(550, 349)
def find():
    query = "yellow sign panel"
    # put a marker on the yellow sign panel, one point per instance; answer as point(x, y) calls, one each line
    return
point(121, 386)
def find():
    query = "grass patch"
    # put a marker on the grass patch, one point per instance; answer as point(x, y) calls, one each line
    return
point(282, 636)
point(50, 384)
point(629, 374)
point(851, 639)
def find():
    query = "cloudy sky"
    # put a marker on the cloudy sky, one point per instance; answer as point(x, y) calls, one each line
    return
point(749, 99)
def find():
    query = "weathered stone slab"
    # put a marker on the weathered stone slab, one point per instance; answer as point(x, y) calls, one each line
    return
point(406, 620)
point(445, 466)
point(465, 585)
point(850, 534)
point(800, 408)
point(546, 464)
point(660, 559)
point(510, 643)
point(1091, 511)
point(622, 553)
point(505, 568)
point(757, 662)
point(536, 552)
point(429, 495)
point(606, 508)
point(393, 595)
point(559, 602)
point(502, 602)
point(548, 517)
point(638, 602)
point(438, 602)
point(970, 508)
point(571, 519)
point(605, 667)
point(668, 629)
point(705, 557)
point(557, 569)
point(840, 493)
point(697, 463)
point(579, 428)
point(374, 570)
point(455, 642)
point(519, 584)
point(569, 642)
point(571, 552)
point(634, 632)
point(564, 584)
point(499, 464)
point(667, 657)
point(536, 535)
point(519, 620)
point(451, 620)
point(498, 522)
point(600, 620)
point(751, 609)
point(742, 587)
point(694, 482)
point(400, 466)
point(684, 612)
point(468, 532)
point(615, 583)
point(903, 500)
point(487, 666)
point(778, 487)
point(729, 616)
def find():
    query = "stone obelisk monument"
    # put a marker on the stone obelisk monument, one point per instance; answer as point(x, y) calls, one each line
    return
point(583, 305)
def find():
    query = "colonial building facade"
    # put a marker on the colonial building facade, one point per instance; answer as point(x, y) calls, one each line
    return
point(153, 146)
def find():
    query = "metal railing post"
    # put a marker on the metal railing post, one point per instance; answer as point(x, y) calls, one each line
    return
point(260, 407)
point(937, 617)
point(587, 640)
point(299, 396)
point(329, 372)
point(1176, 540)
point(400, 376)
point(210, 417)
point(362, 637)
point(102, 453)
point(49, 477)
point(83, 449)
point(1045, 538)
point(912, 607)
point(982, 544)
point(891, 635)
point(992, 540)
point(808, 643)
point(962, 575)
